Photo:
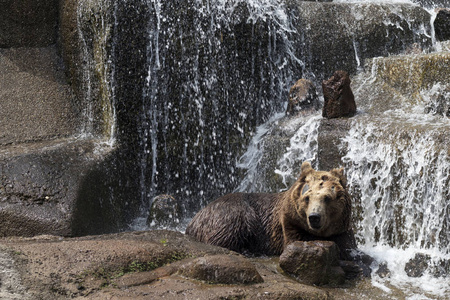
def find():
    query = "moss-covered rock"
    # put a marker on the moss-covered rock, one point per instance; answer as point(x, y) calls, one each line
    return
point(403, 79)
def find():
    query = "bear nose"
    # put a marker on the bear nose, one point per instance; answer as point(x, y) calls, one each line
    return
point(314, 220)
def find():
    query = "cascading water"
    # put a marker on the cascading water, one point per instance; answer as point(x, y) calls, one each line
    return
point(98, 67)
point(205, 74)
point(215, 70)
point(300, 147)
point(401, 178)
point(398, 166)
point(397, 161)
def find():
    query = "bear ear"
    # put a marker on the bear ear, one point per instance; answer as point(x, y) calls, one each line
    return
point(339, 173)
point(305, 170)
point(306, 165)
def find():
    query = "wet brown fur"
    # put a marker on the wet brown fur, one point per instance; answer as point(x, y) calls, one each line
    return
point(266, 223)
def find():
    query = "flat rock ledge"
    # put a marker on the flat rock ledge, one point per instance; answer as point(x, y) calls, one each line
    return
point(139, 265)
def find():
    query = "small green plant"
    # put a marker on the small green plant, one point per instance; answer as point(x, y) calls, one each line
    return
point(136, 266)
point(163, 242)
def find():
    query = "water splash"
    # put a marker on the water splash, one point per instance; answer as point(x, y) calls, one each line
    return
point(303, 147)
point(251, 160)
point(182, 136)
point(399, 172)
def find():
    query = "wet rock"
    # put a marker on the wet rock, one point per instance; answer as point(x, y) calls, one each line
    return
point(441, 268)
point(28, 23)
point(59, 187)
point(442, 24)
point(225, 269)
point(383, 270)
point(417, 265)
point(364, 262)
point(432, 3)
point(439, 103)
point(216, 65)
point(422, 263)
point(340, 36)
point(351, 269)
point(339, 100)
point(403, 79)
point(36, 100)
point(137, 265)
point(165, 212)
point(303, 98)
point(330, 148)
point(313, 262)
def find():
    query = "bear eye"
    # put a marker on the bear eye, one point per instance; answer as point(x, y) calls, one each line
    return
point(327, 199)
point(306, 199)
point(324, 177)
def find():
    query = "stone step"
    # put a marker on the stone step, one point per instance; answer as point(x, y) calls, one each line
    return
point(36, 102)
point(404, 82)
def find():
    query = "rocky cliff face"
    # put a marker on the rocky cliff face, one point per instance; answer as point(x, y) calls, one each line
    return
point(28, 23)
point(177, 91)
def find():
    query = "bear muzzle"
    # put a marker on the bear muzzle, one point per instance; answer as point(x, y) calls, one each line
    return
point(314, 221)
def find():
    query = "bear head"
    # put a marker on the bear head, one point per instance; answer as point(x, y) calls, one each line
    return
point(322, 203)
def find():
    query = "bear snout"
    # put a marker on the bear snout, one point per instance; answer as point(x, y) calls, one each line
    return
point(314, 220)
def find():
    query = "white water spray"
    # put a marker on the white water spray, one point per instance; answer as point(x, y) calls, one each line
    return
point(303, 147)
point(398, 168)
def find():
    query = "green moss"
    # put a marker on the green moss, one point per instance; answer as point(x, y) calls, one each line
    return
point(107, 273)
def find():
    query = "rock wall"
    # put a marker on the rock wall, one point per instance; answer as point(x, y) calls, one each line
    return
point(177, 90)
point(165, 73)
point(340, 36)
point(28, 23)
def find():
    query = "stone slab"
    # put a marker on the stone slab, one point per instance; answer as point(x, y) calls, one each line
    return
point(36, 102)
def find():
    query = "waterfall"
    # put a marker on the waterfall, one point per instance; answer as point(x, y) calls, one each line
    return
point(188, 87)
point(303, 146)
point(398, 167)
point(98, 70)
point(214, 71)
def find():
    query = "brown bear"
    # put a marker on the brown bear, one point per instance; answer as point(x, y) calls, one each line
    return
point(316, 207)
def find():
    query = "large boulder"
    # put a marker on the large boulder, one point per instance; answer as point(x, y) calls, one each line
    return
point(55, 187)
point(141, 265)
point(314, 262)
point(339, 100)
point(442, 24)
